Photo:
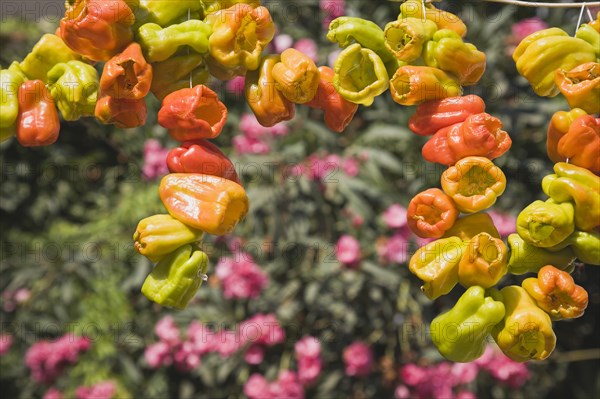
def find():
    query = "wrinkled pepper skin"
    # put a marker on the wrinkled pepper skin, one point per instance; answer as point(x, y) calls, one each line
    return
point(176, 278)
point(556, 293)
point(585, 245)
point(47, 52)
point(461, 333)
point(413, 85)
point(479, 135)
point(209, 203)
point(338, 112)
point(97, 29)
point(546, 224)
point(526, 332)
point(540, 54)
point(240, 34)
point(192, 114)
point(443, 19)
point(527, 258)
point(484, 262)
point(581, 86)
point(267, 103)
point(159, 44)
point(212, 6)
point(437, 265)
point(159, 235)
point(434, 115)
point(405, 38)
point(174, 74)
point(360, 75)
point(559, 126)
point(127, 75)
point(581, 144)
point(74, 89)
point(431, 213)
point(124, 114)
point(589, 34)
point(448, 52)
point(296, 76)
point(37, 122)
point(474, 183)
point(165, 13)
point(10, 81)
point(469, 226)
point(203, 157)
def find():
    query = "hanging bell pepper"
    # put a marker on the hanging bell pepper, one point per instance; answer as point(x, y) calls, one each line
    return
point(559, 126)
point(208, 203)
point(159, 44)
point(122, 113)
point(527, 258)
point(268, 104)
point(47, 52)
point(434, 115)
point(596, 23)
point(540, 54)
point(176, 278)
point(461, 334)
point(37, 122)
point(526, 332)
point(159, 235)
point(431, 213)
point(74, 88)
point(338, 111)
point(589, 34)
point(479, 135)
point(581, 86)
point(174, 74)
point(165, 13)
point(581, 144)
point(97, 29)
point(443, 19)
point(585, 245)
point(127, 75)
point(240, 34)
point(192, 114)
point(437, 265)
point(201, 156)
point(10, 81)
point(556, 293)
point(405, 38)
point(296, 76)
point(474, 183)
point(484, 262)
point(413, 85)
point(469, 226)
point(546, 224)
point(448, 52)
point(212, 6)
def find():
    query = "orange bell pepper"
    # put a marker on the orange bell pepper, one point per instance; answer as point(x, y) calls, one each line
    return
point(37, 121)
point(581, 86)
point(413, 85)
point(296, 76)
point(434, 115)
point(581, 144)
point(127, 75)
point(469, 226)
point(484, 262)
point(121, 112)
point(430, 213)
point(559, 126)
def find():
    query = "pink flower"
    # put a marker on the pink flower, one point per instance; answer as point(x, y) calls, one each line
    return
point(465, 373)
point(526, 27)
point(504, 222)
point(359, 359)
point(251, 128)
point(502, 368)
point(347, 250)
point(395, 216)
point(158, 354)
point(254, 355)
point(332, 57)
point(22, 295)
point(236, 86)
point(245, 145)
point(241, 277)
point(6, 341)
point(103, 390)
point(167, 331)
point(331, 10)
point(465, 395)
point(351, 167)
point(186, 358)
point(287, 386)
point(53, 393)
point(228, 342)
point(281, 43)
point(395, 249)
point(47, 360)
point(402, 392)
point(155, 160)
point(262, 329)
point(308, 47)
point(201, 337)
point(412, 375)
point(257, 387)
point(308, 354)
point(307, 347)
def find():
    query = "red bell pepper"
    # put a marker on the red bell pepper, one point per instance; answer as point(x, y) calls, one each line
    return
point(434, 115)
point(37, 121)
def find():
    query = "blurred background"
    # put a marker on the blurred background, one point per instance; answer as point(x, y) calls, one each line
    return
point(311, 296)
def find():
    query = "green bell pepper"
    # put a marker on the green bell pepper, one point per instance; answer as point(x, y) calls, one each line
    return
point(585, 245)
point(10, 81)
point(74, 89)
point(546, 224)
point(160, 44)
point(48, 51)
point(527, 258)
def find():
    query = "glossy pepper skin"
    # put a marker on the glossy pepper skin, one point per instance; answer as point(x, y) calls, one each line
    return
point(556, 293)
point(192, 114)
point(469, 226)
point(296, 76)
point(581, 86)
point(338, 111)
point(240, 34)
point(526, 332)
point(74, 88)
point(479, 135)
point(37, 122)
point(585, 245)
point(443, 19)
point(127, 75)
point(212, 6)
point(267, 103)
point(122, 113)
point(581, 144)
point(208, 203)
point(176, 278)
point(437, 265)
point(527, 258)
point(174, 74)
point(97, 29)
point(159, 235)
point(461, 333)
point(431, 213)
point(360, 75)
point(47, 52)
point(159, 44)
point(434, 115)
point(448, 52)
point(540, 54)
point(413, 85)
point(546, 224)
point(165, 13)
point(406, 38)
point(201, 156)
point(474, 183)
point(588, 33)
point(558, 127)
point(10, 81)
point(484, 262)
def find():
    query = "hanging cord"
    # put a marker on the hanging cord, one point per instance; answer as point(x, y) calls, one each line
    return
point(580, 17)
point(589, 13)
